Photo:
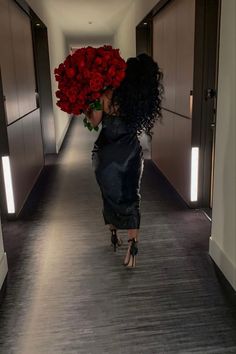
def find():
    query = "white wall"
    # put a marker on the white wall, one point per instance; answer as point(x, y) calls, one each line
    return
point(125, 36)
point(3, 260)
point(223, 236)
point(57, 52)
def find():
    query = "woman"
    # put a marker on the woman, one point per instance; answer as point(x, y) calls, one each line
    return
point(117, 155)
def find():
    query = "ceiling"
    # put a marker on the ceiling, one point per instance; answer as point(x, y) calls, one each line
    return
point(74, 15)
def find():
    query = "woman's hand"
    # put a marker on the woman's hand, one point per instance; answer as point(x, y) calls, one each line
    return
point(94, 116)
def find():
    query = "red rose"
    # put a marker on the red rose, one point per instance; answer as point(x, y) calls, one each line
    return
point(70, 72)
point(96, 95)
point(98, 61)
point(107, 56)
point(112, 71)
point(59, 94)
point(81, 97)
point(123, 64)
point(91, 52)
point(84, 74)
point(65, 106)
point(96, 82)
point(81, 64)
point(101, 51)
point(108, 81)
point(120, 75)
point(61, 69)
point(78, 108)
point(115, 83)
point(72, 98)
point(104, 66)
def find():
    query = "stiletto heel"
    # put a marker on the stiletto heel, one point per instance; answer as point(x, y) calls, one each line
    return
point(115, 240)
point(133, 250)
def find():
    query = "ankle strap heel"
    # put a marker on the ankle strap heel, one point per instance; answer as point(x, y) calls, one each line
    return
point(115, 240)
point(133, 247)
point(133, 250)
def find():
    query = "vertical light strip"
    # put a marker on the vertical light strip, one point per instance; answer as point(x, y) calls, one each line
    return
point(194, 174)
point(8, 184)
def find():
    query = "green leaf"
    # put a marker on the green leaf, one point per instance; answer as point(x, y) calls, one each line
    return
point(88, 125)
point(96, 105)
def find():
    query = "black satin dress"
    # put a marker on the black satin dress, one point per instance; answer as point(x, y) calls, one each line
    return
point(117, 159)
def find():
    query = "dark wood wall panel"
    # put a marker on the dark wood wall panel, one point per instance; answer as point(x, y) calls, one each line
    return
point(26, 154)
point(18, 164)
point(173, 49)
point(23, 133)
point(168, 48)
point(7, 64)
point(185, 18)
point(171, 151)
point(181, 156)
point(23, 59)
point(44, 87)
point(162, 144)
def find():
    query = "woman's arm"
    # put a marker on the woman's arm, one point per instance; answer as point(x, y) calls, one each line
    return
point(94, 116)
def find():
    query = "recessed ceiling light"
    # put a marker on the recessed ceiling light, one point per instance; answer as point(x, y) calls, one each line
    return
point(37, 24)
point(145, 23)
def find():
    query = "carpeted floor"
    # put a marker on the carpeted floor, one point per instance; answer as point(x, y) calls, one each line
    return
point(68, 292)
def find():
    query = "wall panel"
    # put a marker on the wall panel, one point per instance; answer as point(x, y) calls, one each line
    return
point(181, 155)
point(23, 135)
point(23, 59)
point(26, 154)
point(18, 163)
point(158, 50)
point(168, 47)
point(7, 64)
point(162, 144)
point(185, 17)
point(173, 49)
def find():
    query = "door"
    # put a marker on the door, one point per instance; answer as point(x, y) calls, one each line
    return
point(205, 94)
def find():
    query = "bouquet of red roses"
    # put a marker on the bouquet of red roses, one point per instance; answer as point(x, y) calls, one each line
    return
point(85, 75)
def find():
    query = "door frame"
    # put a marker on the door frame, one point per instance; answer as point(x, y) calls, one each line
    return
point(207, 26)
point(206, 49)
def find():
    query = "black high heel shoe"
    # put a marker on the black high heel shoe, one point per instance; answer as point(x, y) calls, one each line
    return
point(133, 250)
point(115, 240)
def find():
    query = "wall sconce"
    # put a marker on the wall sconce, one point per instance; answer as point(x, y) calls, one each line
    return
point(8, 184)
point(194, 174)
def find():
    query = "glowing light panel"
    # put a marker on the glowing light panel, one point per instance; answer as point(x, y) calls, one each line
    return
point(194, 174)
point(8, 184)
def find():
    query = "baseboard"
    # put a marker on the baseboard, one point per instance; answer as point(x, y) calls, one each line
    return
point(223, 262)
point(3, 268)
point(60, 142)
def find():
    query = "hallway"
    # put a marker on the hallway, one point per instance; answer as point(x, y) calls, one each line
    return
point(69, 293)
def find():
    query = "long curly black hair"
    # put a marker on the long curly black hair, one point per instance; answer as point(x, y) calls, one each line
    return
point(138, 98)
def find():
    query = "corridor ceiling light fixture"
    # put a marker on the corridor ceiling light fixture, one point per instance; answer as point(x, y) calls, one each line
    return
point(8, 184)
point(145, 23)
point(194, 174)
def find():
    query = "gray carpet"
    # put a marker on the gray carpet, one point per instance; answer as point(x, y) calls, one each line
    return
point(68, 292)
